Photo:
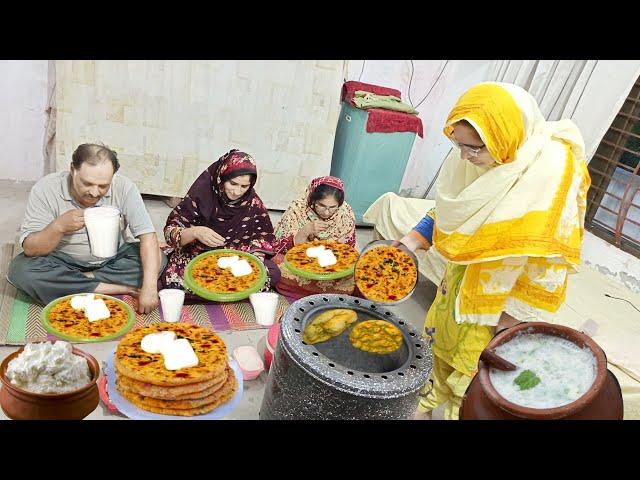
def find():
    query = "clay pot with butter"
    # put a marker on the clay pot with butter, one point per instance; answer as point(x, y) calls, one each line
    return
point(20, 404)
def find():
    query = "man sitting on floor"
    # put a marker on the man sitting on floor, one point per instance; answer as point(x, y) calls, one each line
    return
point(57, 259)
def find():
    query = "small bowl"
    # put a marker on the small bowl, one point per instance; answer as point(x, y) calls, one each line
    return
point(405, 249)
point(240, 354)
point(19, 404)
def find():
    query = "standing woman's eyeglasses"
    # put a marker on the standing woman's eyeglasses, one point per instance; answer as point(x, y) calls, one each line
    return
point(473, 151)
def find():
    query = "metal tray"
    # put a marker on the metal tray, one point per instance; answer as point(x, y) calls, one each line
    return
point(405, 249)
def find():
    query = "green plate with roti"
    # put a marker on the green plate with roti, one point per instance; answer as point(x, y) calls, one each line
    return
point(218, 293)
point(69, 324)
point(344, 253)
point(319, 276)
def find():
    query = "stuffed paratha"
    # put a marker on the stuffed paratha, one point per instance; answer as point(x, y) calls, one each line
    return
point(177, 403)
point(208, 275)
point(133, 362)
point(346, 257)
point(179, 408)
point(73, 323)
point(182, 392)
point(376, 336)
point(328, 324)
point(386, 274)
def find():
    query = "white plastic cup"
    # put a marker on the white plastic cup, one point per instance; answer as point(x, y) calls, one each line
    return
point(103, 228)
point(265, 306)
point(171, 300)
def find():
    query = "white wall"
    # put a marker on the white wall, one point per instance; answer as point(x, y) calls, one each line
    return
point(611, 261)
point(170, 120)
point(23, 95)
point(607, 258)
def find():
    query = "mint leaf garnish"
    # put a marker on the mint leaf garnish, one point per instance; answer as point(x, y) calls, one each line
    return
point(527, 380)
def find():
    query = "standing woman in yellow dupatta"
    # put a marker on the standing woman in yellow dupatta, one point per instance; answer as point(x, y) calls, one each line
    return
point(508, 221)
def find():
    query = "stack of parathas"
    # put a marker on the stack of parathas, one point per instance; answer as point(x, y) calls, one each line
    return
point(143, 380)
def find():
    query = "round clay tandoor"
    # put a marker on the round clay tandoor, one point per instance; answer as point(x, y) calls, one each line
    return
point(570, 409)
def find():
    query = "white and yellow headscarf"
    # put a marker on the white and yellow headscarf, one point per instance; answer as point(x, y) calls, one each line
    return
point(531, 205)
point(527, 204)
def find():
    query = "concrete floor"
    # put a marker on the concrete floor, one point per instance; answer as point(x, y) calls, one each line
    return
point(13, 197)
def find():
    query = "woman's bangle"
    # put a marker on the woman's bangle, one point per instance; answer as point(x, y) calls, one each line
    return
point(179, 237)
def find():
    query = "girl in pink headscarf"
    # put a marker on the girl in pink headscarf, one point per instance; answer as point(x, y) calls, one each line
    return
point(321, 213)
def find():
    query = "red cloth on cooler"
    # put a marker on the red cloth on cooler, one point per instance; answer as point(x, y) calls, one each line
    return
point(381, 120)
point(349, 90)
point(389, 121)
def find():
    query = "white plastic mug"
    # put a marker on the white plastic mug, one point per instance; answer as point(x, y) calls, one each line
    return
point(171, 300)
point(265, 306)
point(103, 228)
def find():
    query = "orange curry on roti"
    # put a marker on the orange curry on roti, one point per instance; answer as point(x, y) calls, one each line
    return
point(74, 323)
point(346, 257)
point(386, 274)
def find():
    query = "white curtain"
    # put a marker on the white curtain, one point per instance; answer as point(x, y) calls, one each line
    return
point(590, 92)
point(49, 145)
point(556, 84)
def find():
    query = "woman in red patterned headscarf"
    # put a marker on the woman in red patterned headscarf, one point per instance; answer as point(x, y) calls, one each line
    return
point(320, 213)
point(220, 210)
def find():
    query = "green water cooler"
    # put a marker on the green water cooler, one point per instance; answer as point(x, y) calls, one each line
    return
point(369, 164)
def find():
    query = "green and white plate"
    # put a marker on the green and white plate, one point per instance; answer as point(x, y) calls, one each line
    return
point(318, 276)
point(190, 283)
point(131, 320)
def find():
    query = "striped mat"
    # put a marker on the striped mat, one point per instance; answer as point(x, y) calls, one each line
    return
point(20, 318)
